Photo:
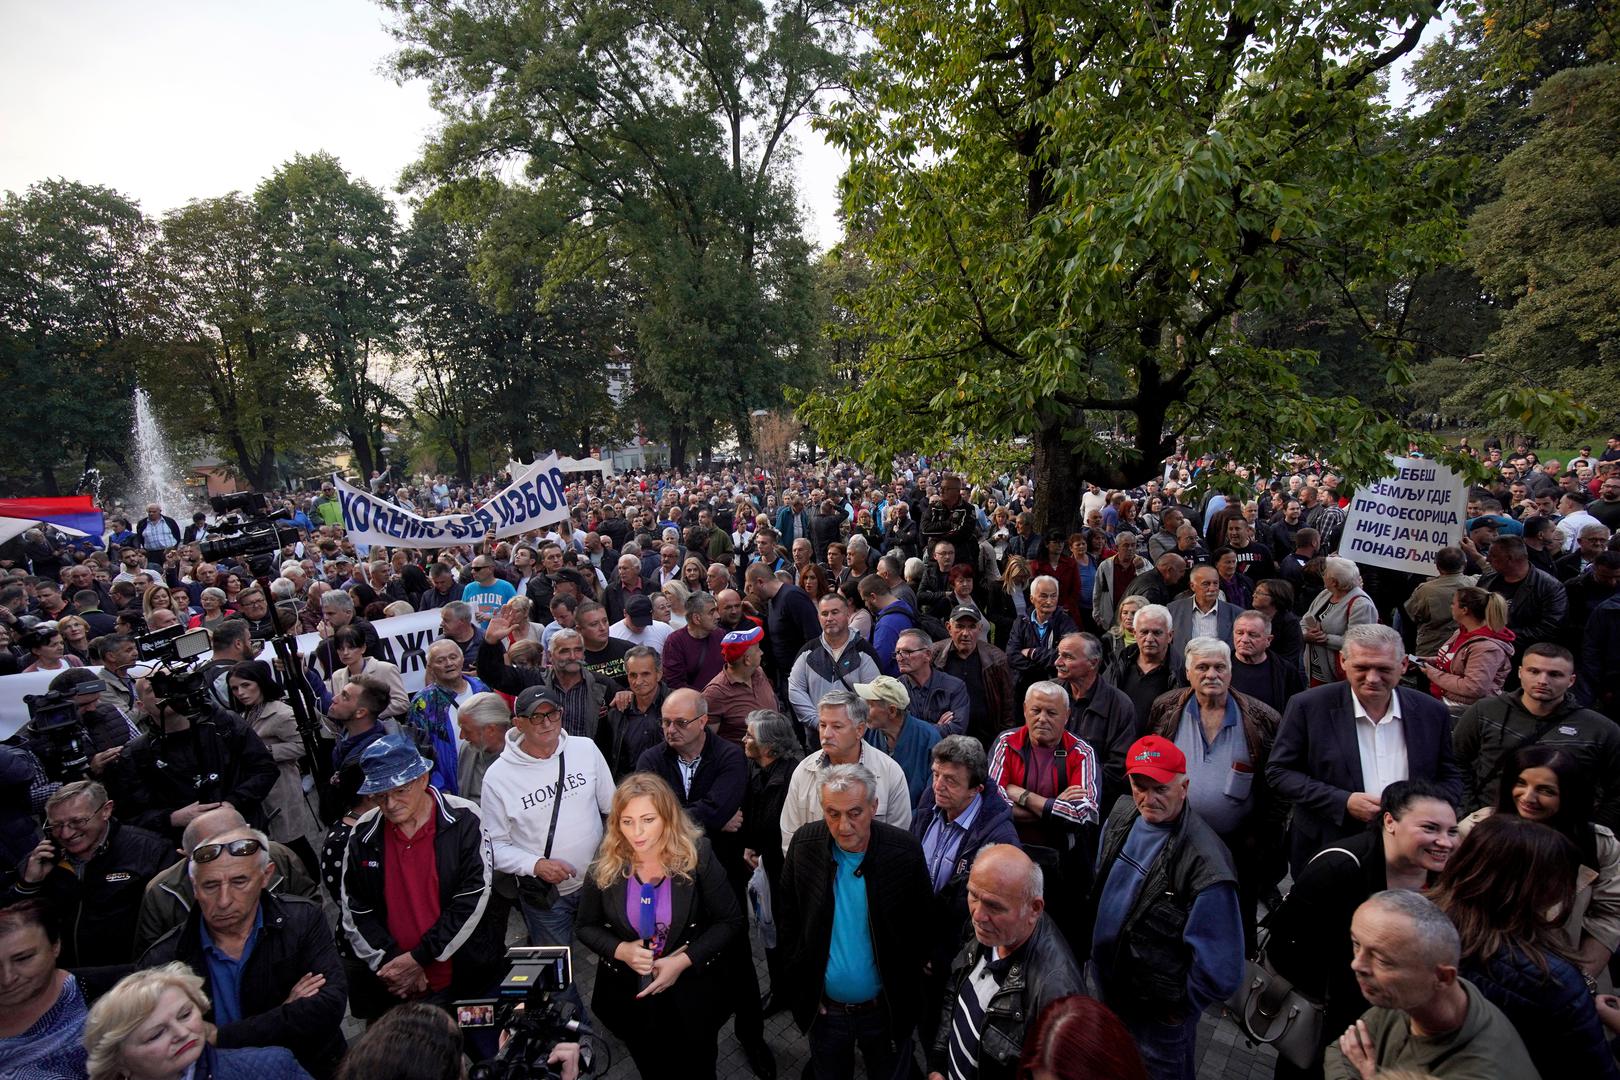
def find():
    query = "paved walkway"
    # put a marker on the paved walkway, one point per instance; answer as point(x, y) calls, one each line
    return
point(1222, 1053)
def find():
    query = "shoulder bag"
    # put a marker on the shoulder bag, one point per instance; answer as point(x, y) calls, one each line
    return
point(1271, 1012)
point(537, 892)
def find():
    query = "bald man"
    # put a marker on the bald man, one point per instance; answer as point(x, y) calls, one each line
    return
point(983, 994)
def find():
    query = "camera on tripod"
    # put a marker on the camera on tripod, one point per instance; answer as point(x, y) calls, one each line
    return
point(247, 528)
point(527, 1010)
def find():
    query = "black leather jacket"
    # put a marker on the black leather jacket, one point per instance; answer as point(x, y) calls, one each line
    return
point(1043, 970)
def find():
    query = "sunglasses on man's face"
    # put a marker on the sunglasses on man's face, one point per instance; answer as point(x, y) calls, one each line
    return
point(207, 853)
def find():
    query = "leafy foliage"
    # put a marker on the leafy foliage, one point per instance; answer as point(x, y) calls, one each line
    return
point(332, 287)
point(71, 265)
point(1069, 213)
point(220, 373)
point(657, 132)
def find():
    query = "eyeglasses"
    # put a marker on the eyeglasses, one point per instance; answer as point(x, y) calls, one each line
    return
point(907, 652)
point(682, 725)
point(75, 825)
point(550, 716)
point(207, 853)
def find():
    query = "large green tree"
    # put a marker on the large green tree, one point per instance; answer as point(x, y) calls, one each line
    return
point(660, 131)
point(331, 251)
point(1548, 248)
point(1069, 212)
point(72, 259)
point(505, 359)
point(1527, 90)
point(221, 373)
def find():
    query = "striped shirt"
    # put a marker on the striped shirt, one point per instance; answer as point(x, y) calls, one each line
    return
point(967, 1018)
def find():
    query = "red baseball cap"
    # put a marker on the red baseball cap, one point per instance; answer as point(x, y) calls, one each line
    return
point(1156, 758)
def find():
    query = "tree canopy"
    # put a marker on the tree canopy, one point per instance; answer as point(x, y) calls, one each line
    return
point(1068, 213)
point(657, 134)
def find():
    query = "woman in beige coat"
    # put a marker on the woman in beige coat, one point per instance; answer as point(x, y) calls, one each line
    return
point(1547, 785)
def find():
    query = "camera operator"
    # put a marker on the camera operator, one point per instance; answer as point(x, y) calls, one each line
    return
point(91, 870)
point(105, 725)
point(19, 809)
point(233, 644)
point(199, 757)
point(420, 1042)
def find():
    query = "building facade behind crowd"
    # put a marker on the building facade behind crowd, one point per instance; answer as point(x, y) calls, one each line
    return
point(963, 772)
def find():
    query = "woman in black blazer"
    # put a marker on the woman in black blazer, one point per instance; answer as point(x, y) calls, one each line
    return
point(1310, 933)
point(658, 910)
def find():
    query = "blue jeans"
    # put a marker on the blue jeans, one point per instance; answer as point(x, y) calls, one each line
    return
point(1167, 1049)
point(555, 926)
point(834, 1036)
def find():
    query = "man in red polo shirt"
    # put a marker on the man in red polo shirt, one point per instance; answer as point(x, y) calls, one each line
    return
point(420, 920)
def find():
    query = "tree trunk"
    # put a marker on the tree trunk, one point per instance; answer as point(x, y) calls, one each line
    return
point(1058, 482)
point(360, 443)
point(677, 446)
point(462, 449)
point(47, 478)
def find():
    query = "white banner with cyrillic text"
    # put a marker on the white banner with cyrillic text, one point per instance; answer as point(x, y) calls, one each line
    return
point(402, 641)
point(535, 498)
point(1401, 521)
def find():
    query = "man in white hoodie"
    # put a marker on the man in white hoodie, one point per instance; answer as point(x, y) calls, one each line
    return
point(543, 802)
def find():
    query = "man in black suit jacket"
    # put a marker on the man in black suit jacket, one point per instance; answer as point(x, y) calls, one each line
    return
point(1331, 759)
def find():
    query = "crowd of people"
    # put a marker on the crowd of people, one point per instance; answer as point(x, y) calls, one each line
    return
point(994, 802)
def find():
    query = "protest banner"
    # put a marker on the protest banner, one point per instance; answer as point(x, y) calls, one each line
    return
point(402, 641)
point(1399, 522)
point(535, 498)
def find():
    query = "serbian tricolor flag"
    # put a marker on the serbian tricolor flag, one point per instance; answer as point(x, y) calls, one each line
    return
point(76, 515)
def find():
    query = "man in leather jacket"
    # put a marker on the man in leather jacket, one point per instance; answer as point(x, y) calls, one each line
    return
point(1167, 935)
point(1015, 965)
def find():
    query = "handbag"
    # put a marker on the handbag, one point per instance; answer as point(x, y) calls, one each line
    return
point(537, 892)
point(1272, 1013)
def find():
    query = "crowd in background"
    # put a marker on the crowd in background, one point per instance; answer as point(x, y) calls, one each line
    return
point(994, 800)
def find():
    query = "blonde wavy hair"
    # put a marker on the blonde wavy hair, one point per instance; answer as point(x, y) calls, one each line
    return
point(114, 1018)
point(614, 859)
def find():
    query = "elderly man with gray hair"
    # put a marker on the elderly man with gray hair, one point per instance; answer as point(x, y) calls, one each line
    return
point(268, 960)
point(169, 898)
point(1227, 738)
point(337, 611)
point(851, 925)
point(1424, 1016)
point(842, 721)
point(1339, 745)
point(1148, 667)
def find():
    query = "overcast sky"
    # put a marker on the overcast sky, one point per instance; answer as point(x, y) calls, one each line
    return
point(171, 100)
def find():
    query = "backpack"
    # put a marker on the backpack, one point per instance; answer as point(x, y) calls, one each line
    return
point(928, 624)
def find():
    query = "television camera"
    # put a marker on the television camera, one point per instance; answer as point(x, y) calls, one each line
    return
point(57, 736)
point(527, 1010)
point(247, 528)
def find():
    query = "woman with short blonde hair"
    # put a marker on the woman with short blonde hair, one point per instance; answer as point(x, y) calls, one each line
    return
point(151, 1026)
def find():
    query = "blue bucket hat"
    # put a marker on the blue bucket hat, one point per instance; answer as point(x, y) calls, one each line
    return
point(391, 762)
